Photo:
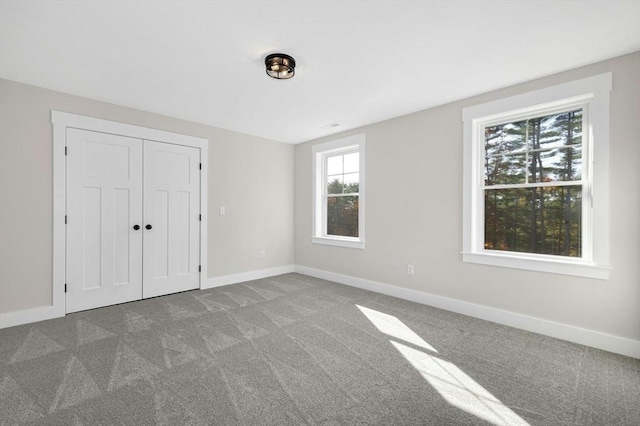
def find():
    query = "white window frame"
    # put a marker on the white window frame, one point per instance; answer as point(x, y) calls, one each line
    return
point(320, 153)
point(592, 95)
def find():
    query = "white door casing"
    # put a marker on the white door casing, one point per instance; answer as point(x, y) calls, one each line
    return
point(62, 122)
point(171, 258)
point(134, 225)
point(104, 189)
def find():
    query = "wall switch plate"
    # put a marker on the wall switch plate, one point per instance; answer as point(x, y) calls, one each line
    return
point(410, 269)
point(263, 254)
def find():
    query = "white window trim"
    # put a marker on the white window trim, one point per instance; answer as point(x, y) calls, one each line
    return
point(594, 91)
point(320, 151)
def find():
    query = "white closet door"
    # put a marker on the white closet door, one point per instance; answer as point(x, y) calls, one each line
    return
point(104, 202)
point(171, 218)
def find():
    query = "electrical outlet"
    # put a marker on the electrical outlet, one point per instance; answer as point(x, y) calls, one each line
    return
point(223, 210)
point(410, 269)
point(263, 254)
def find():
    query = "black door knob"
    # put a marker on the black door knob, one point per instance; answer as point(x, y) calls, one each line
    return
point(148, 226)
point(136, 227)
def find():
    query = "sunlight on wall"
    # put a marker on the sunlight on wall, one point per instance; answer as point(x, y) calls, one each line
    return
point(456, 387)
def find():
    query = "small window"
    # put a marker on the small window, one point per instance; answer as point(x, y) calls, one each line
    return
point(536, 177)
point(339, 192)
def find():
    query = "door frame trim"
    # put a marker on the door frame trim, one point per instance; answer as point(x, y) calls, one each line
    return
point(61, 122)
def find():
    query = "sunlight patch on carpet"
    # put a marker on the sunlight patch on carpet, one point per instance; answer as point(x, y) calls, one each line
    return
point(453, 384)
point(392, 326)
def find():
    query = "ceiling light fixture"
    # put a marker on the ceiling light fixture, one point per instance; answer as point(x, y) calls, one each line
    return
point(280, 66)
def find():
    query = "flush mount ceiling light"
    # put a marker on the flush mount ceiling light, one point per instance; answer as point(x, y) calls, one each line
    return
point(280, 66)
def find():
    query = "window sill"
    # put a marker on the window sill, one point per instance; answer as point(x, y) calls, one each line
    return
point(340, 242)
point(556, 266)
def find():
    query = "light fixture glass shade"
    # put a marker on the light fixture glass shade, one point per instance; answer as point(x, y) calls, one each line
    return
point(280, 66)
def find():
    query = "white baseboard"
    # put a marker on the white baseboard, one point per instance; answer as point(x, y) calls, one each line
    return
point(595, 339)
point(245, 276)
point(27, 316)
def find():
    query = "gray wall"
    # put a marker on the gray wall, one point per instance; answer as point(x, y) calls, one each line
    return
point(414, 215)
point(414, 205)
point(251, 176)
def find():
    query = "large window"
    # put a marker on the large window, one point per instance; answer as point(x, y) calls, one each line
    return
point(533, 184)
point(339, 192)
point(536, 176)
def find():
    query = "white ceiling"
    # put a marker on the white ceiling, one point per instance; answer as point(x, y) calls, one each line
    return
point(359, 62)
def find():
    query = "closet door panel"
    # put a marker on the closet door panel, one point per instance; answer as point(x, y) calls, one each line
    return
point(104, 201)
point(171, 211)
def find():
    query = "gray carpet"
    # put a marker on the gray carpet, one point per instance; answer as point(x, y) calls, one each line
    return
point(298, 350)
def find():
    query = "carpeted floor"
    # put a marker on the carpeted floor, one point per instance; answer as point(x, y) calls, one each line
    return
point(298, 350)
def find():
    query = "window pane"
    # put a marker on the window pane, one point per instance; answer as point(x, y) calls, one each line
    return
point(505, 169)
point(351, 181)
point(556, 165)
point(505, 138)
point(342, 216)
point(556, 130)
point(335, 185)
point(352, 162)
point(334, 165)
point(534, 220)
